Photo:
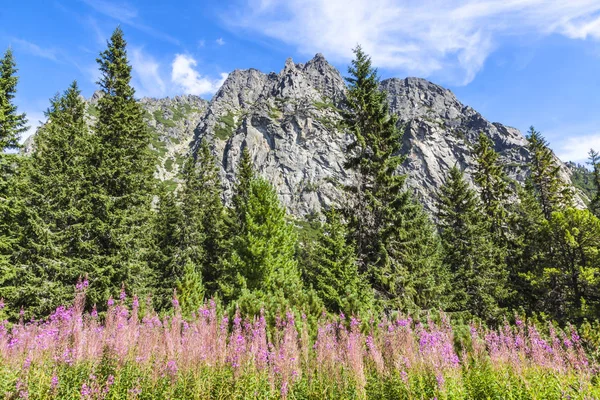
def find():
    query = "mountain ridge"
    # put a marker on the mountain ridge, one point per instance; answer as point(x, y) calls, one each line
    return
point(290, 122)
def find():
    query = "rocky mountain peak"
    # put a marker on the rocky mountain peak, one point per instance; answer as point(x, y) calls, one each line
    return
point(290, 123)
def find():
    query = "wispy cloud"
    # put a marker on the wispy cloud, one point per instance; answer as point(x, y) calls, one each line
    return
point(576, 148)
point(36, 50)
point(146, 73)
point(128, 15)
point(186, 78)
point(450, 38)
point(220, 41)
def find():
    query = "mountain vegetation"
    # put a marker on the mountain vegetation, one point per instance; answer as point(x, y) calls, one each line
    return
point(86, 209)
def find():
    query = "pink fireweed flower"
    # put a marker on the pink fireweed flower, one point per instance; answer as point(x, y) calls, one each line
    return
point(172, 368)
point(1, 304)
point(54, 382)
point(110, 302)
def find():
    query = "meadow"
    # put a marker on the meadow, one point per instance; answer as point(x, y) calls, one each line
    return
point(122, 354)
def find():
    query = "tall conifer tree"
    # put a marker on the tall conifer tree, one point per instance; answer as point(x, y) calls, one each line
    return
point(12, 124)
point(124, 174)
point(552, 193)
point(395, 244)
point(54, 250)
point(594, 162)
point(476, 265)
point(493, 183)
point(335, 275)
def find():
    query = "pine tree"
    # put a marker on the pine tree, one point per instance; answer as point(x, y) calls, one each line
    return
point(167, 263)
point(245, 175)
point(493, 183)
point(53, 252)
point(191, 231)
point(124, 175)
point(212, 218)
point(594, 162)
point(12, 124)
point(335, 276)
point(552, 193)
point(190, 290)
point(395, 244)
point(568, 277)
point(525, 247)
point(261, 271)
point(476, 265)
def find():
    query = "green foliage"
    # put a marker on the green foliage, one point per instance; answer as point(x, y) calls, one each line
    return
point(594, 161)
point(493, 183)
point(158, 116)
point(55, 246)
point(552, 193)
point(569, 274)
point(12, 124)
point(226, 126)
point(476, 264)
point(190, 290)
point(123, 172)
point(395, 243)
point(334, 274)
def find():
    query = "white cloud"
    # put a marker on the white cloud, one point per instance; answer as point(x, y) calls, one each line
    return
point(187, 79)
point(449, 38)
point(34, 49)
point(220, 41)
point(147, 79)
point(576, 148)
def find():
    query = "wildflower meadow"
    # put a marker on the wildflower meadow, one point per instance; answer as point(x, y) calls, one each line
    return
point(125, 355)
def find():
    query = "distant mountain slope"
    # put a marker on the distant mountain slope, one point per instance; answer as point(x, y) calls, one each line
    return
point(290, 122)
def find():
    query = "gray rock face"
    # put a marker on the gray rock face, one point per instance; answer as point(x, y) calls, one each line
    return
point(290, 124)
point(172, 122)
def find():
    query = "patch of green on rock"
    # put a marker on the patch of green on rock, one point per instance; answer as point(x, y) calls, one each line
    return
point(226, 126)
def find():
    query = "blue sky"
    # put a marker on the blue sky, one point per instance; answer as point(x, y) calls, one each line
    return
point(519, 62)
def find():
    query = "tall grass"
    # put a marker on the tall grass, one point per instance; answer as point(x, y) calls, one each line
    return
point(122, 355)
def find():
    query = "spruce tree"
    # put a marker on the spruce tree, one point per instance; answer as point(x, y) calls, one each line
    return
point(212, 218)
point(12, 125)
point(552, 193)
point(395, 244)
point(54, 249)
point(124, 175)
point(477, 267)
point(335, 277)
point(245, 175)
point(568, 274)
point(191, 231)
point(167, 263)
point(493, 183)
point(190, 290)
point(525, 246)
point(261, 271)
point(594, 162)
